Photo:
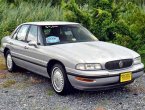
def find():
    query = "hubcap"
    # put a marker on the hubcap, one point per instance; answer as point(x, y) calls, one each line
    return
point(57, 79)
point(9, 61)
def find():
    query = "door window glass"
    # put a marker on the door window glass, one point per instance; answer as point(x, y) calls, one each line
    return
point(14, 35)
point(22, 33)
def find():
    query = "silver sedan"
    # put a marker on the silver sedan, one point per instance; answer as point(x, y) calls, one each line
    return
point(70, 56)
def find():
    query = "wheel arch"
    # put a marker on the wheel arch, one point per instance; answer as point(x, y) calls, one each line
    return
point(5, 51)
point(51, 63)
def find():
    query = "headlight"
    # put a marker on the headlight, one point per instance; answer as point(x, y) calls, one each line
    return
point(88, 66)
point(137, 60)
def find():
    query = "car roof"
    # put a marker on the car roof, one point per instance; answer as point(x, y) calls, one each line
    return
point(51, 23)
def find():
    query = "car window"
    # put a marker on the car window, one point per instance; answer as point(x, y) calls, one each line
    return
point(58, 34)
point(22, 33)
point(46, 30)
point(14, 34)
point(32, 35)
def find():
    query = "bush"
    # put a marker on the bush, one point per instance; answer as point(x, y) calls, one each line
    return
point(120, 22)
point(123, 24)
point(134, 19)
point(11, 16)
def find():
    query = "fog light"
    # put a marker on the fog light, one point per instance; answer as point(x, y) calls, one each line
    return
point(84, 79)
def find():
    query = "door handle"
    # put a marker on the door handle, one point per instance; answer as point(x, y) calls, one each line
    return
point(25, 47)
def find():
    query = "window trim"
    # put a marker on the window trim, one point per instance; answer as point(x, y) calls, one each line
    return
point(29, 31)
point(38, 33)
point(15, 31)
point(18, 29)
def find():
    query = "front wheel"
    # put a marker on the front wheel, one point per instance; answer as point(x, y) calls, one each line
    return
point(11, 66)
point(59, 80)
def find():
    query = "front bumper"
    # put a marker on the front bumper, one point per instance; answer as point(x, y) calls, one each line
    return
point(104, 81)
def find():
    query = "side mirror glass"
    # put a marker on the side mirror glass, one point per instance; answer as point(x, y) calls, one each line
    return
point(33, 43)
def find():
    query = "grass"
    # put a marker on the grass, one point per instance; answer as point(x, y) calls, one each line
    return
point(61, 108)
point(8, 83)
point(2, 63)
point(22, 85)
point(50, 92)
point(11, 15)
point(35, 80)
point(8, 79)
point(3, 76)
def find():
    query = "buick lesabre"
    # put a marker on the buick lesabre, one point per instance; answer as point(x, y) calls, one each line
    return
point(70, 56)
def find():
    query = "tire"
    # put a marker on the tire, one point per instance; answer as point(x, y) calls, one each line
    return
point(59, 80)
point(11, 66)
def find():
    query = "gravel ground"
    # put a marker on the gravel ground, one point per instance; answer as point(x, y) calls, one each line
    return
point(28, 91)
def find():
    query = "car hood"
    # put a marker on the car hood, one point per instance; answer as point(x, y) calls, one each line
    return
point(96, 52)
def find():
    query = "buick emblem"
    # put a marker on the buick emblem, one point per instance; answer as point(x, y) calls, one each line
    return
point(120, 64)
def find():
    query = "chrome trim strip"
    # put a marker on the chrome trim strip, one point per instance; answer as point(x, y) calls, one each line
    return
point(27, 57)
point(30, 61)
point(17, 55)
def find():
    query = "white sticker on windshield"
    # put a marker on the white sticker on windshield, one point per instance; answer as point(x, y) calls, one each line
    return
point(52, 39)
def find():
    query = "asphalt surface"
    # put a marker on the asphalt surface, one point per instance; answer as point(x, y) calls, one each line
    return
point(27, 91)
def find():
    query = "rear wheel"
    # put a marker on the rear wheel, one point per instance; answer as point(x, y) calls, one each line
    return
point(59, 80)
point(11, 66)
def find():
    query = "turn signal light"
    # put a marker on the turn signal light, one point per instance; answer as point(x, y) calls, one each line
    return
point(84, 79)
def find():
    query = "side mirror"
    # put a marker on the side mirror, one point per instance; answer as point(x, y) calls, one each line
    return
point(33, 43)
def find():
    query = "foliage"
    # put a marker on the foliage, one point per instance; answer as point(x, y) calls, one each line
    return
point(134, 18)
point(121, 23)
point(12, 16)
point(102, 21)
point(72, 12)
point(118, 21)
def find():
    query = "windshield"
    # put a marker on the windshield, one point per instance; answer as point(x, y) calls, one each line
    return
point(59, 34)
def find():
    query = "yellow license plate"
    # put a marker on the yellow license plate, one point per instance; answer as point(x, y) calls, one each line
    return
point(125, 77)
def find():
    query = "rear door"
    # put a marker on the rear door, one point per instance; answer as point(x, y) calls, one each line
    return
point(19, 44)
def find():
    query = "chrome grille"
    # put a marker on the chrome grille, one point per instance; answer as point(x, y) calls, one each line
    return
point(118, 64)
